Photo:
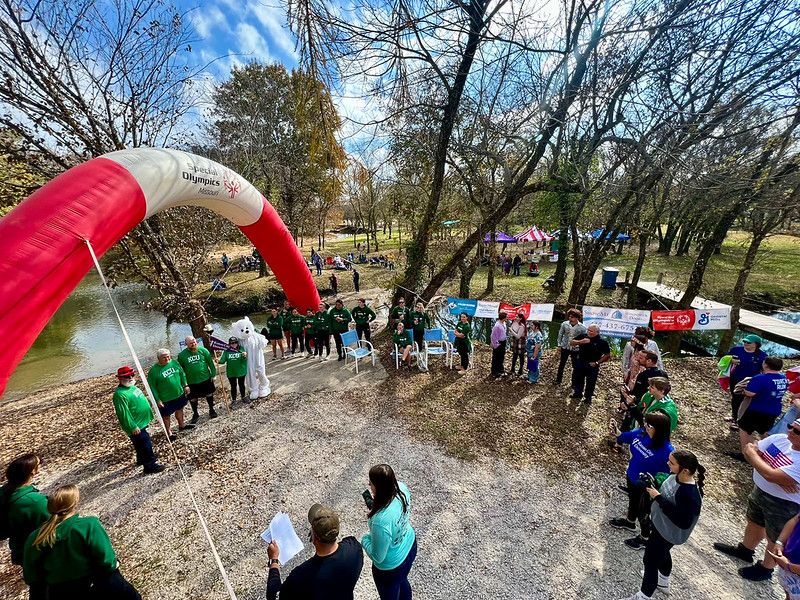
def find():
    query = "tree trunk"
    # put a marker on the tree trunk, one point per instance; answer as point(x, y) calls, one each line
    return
point(644, 239)
point(738, 293)
point(467, 269)
point(563, 244)
point(492, 260)
point(665, 244)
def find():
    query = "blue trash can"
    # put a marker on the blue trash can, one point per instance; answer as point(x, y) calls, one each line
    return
point(609, 280)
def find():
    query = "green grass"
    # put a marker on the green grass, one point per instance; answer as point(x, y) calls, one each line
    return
point(773, 279)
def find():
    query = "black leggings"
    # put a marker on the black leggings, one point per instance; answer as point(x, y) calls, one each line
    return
point(639, 503)
point(298, 341)
point(107, 586)
point(309, 337)
point(337, 338)
point(563, 357)
point(514, 357)
point(419, 338)
point(463, 353)
point(657, 559)
point(363, 330)
point(234, 381)
point(323, 339)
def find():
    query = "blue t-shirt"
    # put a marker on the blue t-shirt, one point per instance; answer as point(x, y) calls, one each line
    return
point(390, 536)
point(769, 389)
point(749, 363)
point(644, 459)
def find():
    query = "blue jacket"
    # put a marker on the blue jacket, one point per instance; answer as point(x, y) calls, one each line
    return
point(644, 459)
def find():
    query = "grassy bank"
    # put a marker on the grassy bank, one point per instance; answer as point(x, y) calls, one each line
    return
point(771, 284)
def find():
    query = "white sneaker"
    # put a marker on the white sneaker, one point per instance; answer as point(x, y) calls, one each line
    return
point(663, 582)
point(637, 596)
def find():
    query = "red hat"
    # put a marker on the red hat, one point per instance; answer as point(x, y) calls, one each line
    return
point(125, 371)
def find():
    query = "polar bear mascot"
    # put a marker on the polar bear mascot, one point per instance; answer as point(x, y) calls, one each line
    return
point(254, 344)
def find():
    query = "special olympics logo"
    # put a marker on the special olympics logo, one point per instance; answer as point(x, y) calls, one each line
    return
point(683, 320)
point(232, 184)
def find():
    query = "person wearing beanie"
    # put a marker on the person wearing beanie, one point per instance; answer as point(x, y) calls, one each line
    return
point(135, 415)
point(333, 571)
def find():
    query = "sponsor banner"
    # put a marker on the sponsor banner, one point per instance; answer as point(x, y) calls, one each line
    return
point(691, 319)
point(542, 312)
point(615, 322)
point(488, 310)
point(673, 320)
point(512, 311)
point(532, 312)
point(459, 305)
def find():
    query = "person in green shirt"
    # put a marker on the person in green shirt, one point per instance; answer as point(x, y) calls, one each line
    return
point(134, 415)
point(322, 326)
point(72, 555)
point(418, 320)
point(198, 364)
point(297, 325)
point(363, 315)
point(399, 314)
point(236, 372)
point(463, 342)
point(286, 315)
point(168, 383)
point(656, 398)
point(340, 320)
point(274, 333)
point(310, 333)
point(22, 507)
point(403, 343)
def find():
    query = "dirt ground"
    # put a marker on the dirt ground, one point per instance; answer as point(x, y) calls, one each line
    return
point(512, 484)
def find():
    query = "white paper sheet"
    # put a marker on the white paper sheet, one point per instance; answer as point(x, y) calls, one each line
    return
point(280, 529)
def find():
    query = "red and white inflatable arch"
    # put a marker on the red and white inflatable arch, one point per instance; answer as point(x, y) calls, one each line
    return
point(43, 255)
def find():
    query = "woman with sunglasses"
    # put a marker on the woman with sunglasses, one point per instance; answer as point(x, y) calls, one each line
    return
point(675, 511)
point(236, 359)
point(391, 542)
point(650, 449)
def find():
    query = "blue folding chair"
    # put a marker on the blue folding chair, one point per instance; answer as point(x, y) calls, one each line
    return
point(356, 348)
point(436, 345)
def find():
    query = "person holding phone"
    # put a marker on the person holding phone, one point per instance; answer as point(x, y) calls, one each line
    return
point(675, 511)
point(391, 542)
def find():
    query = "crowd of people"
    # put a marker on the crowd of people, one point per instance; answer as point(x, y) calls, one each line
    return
point(663, 484)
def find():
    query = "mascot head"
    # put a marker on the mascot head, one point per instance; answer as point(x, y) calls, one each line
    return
point(243, 328)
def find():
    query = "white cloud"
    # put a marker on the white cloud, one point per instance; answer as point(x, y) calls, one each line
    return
point(205, 20)
point(273, 19)
point(252, 43)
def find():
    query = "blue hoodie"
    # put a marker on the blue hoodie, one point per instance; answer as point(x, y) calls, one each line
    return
point(644, 459)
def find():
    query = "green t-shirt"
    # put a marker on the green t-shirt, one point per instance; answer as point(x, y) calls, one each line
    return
point(82, 548)
point(297, 323)
point(340, 313)
point(132, 408)
point(275, 325)
point(665, 405)
point(402, 339)
point(400, 314)
point(199, 366)
point(25, 511)
point(419, 320)
point(466, 329)
point(363, 316)
point(311, 328)
point(166, 382)
point(286, 316)
point(236, 361)
point(322, 322)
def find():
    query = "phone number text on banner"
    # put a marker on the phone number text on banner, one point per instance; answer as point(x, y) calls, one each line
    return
point(615, 322)
point(691, 319)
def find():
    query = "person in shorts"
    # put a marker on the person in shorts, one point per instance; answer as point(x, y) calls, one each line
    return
point(168, 384)
point(198, 364)
point(776, 469)
point(763, 401)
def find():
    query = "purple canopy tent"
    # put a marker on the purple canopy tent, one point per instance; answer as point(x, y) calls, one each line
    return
point(501, 237)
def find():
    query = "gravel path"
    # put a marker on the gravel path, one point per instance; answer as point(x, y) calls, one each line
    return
point(485, 529)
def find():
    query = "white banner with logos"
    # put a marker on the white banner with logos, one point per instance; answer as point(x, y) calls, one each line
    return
point(488, 310)
point(615, 322)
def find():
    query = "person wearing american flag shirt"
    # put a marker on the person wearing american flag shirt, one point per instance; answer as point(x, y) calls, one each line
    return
point(775, 499)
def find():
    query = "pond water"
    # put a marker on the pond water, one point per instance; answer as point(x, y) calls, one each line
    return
point(83, 338)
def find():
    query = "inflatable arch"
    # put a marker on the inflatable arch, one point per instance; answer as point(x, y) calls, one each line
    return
point(43, 255)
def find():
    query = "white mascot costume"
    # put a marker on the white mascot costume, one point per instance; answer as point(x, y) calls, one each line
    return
point(254, 344)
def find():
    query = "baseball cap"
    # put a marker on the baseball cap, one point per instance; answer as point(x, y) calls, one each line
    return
point(752, 338)
point(125, 371)
point(325, 523)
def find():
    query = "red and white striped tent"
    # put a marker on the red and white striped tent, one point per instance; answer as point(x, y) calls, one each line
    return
point(534, 234)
